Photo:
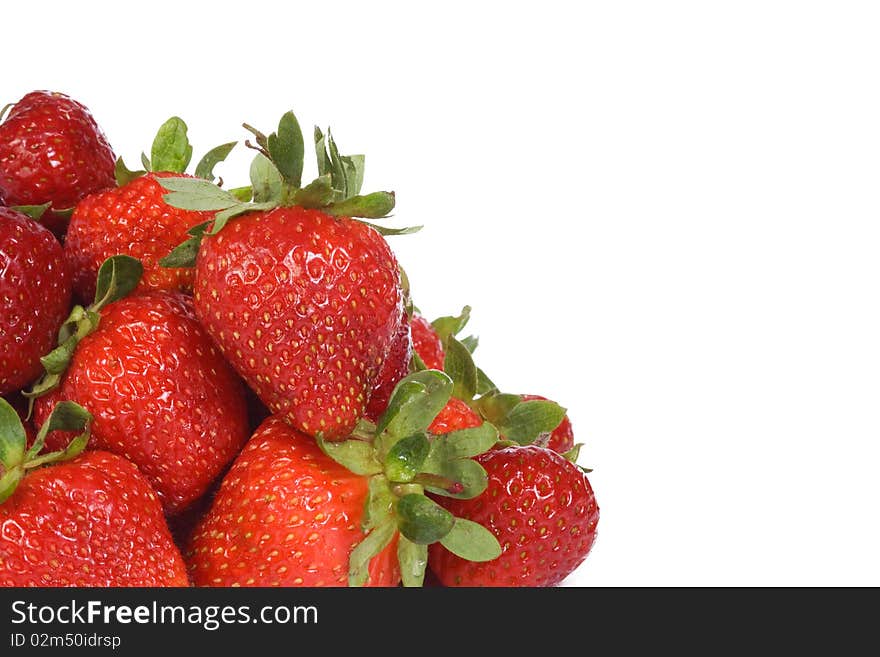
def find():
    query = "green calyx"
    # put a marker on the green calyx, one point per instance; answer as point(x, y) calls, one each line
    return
point(171, 152)
point(16, 458)
point(117, 277)
point(519, 422)
point(403, 462)
point(276, 181)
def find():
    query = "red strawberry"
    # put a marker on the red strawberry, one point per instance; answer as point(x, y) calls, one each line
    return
point(52, 151)
point(134, 220)
point(90, 521)
point(541, 509)
point(456, 415)
point(285, 515)
point(34, 297)
point(302, 299)
point(561, 439)
point(160, 393)
point(305, 306)
point(394, 368)
point(427, 343)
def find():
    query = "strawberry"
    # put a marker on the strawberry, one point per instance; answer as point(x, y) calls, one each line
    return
point(285, 515)
point(52, 151)
point(541, 509)
point(160, 392)
point(295, 511)
point(133, 219)
point(301, 298)
point(394, 367)
point(87, 519)
point(426, 343)
point(561, 439)
point(34, 297)
point(455, 416)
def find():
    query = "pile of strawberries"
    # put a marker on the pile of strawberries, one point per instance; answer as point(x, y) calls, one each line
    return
point(231, 387)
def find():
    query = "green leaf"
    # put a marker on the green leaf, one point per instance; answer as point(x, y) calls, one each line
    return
point(470, 343)
point(573, 454)
point(356, 455)
point(13, 439)
point(353, 166)
point(470, 474)
point(183, 255)
point(266, 180)
point(380, 503)
point(286, 148)
point(417, 364)
point(223, 217)
point(495, 408)
point(372, 206)
point(196, 194)
point(124, 175)
point(171, 148)
point(359, 561)
point(466, 443)
point(485, 386)
point(405, 458)
point(324, 164)
point(316, 194)
point(471, 541)
point(451, 325)
point(118, 276)
point(530, 419)
point(65, 416)
point(9, 482)
point(205, 167)
point(422, 520)
point(459, 365)
point(243, 194)
point(413, 559)
point(387, 232)
point(145, 162)
point(415, 402)
point(35, 212)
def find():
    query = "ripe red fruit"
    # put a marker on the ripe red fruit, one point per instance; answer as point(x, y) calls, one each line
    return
point(92, 521)
point(394, 368)
point(286, 514)
point(456, 415)
point(160, 393)
point(52, 151)
point(426, 343)
point(132, 220)
point(305, 306)
point(561, 439)
point(541, 509)
point(34, 297)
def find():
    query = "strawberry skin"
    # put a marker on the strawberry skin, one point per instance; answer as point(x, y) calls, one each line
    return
point(561, 439)
point(34, 297)
point(160, 393)
point(455, 416)
point(541, 509)
point(131, 220)
point(427, 343)
point(285, 515)
point(52, 151)
point(394, 368)
point(93, 521)
point(305, 307)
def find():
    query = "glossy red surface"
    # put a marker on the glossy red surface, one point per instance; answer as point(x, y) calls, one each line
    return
point(52, 151)
point(34, 297)
point(160, 393)
point(285, 515)
point(305, 307)
point(93, 521)
point(541, 509)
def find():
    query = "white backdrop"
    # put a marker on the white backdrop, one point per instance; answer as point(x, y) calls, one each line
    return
point(665, 216)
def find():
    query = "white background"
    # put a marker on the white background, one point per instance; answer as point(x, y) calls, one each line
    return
point(665, 215)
